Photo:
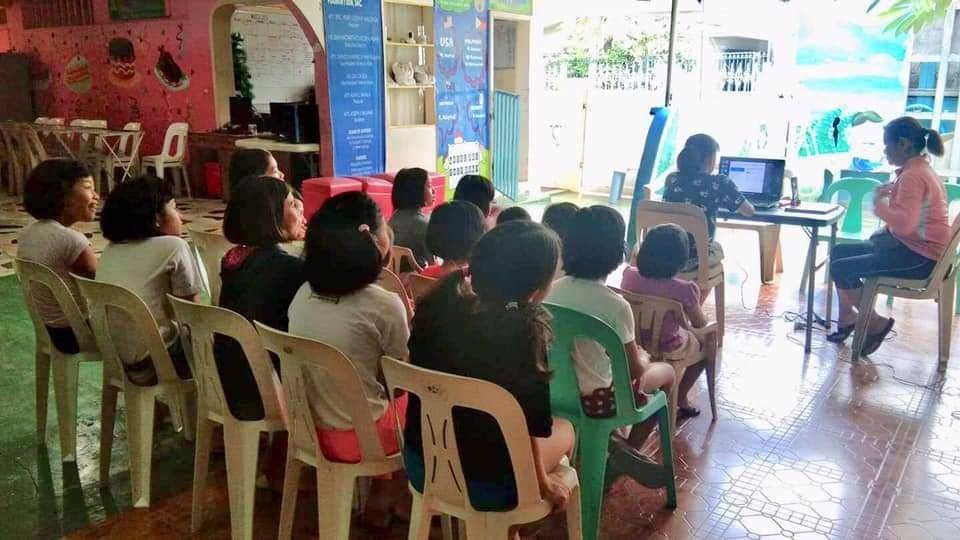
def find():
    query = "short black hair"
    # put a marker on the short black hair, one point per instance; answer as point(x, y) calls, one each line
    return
point(409, 189)
point(664, 252)
point(476, 189)
point(247, 163)
point(514, 213)
point(254, 215)
point(595, 243)
point(49, 185)
point(130, 212)
point(559, 217)
point(340, 259)
point(454, 229)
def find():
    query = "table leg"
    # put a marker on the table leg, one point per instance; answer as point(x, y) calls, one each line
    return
point(66, 147)
point(833, 242)
point(811, 281)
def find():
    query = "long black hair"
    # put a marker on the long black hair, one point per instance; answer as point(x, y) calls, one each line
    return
point(921, 138)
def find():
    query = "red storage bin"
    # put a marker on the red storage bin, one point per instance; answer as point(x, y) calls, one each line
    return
point(317, 190)
point(380, 191)
point(211, 173)
point(437, 181)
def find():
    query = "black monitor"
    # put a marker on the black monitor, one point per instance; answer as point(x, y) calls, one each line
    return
point(295, 122)
point(241, 111)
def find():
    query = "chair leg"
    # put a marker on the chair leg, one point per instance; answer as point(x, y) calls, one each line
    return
point(108, 419)
point(201, 466)
point(240, 441)
point(946, 308)
point(186, 180)
point(719, 297)
point(42, 394)
point(334, 503)
point(591, 469)
point(187, 403)
point(574, 518)
point(291, 486)
point(420, 520)
point(140, 412)
point(867, 298)
point(711, 369)
point(806, 273)
point(446, 527)
point(66, 374)
point(666, 449)
point(674, 397)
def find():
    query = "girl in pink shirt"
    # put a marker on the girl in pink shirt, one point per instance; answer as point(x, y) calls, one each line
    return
point(914, 208)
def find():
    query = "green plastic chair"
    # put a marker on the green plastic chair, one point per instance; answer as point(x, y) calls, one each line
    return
point(852, 227)
point(593, 434)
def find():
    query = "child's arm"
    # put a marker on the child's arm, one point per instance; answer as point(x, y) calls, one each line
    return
point(634, 360)
point(696, 315)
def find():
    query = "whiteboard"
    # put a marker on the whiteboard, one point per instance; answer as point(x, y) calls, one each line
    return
point(279, 56)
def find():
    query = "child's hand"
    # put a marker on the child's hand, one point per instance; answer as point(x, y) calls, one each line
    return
point(556, 492)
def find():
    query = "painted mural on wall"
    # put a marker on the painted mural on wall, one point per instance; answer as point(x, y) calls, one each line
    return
point(462, 87)
point(852, 78)
point(145, 71)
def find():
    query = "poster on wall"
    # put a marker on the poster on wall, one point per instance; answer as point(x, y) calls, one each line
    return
point(520, 7)
point(123, 63)
point(354, 37)
point(137, 9)
point(76, 75)
point(462, 85)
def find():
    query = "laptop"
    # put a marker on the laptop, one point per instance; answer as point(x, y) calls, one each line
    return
point(759, 179)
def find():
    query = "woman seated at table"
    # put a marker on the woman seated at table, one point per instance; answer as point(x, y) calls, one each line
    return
point(914, 208)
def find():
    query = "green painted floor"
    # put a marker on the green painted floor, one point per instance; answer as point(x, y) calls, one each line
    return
point(41, 497)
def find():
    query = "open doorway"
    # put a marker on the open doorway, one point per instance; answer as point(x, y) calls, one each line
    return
point(510, 53)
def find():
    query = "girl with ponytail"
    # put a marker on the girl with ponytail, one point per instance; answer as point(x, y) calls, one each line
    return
point(694, 183)
point(914, 209)
point(341, 305)
point(490, 325)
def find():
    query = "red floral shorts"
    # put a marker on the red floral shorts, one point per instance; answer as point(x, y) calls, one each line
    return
point(601, 403)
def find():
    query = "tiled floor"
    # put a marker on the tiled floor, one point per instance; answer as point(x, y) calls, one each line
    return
point(804, 447)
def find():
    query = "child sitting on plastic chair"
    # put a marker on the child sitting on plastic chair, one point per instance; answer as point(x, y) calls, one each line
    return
point(662, 255)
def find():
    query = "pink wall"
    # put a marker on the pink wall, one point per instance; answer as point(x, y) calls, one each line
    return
point(185, 35)
point(4, 40)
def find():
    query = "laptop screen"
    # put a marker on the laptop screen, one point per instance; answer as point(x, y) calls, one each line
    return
point(755, 177)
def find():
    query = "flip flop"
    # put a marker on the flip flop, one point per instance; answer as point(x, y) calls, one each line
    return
point(687, 412)
point(874, 341)
point(842, 333)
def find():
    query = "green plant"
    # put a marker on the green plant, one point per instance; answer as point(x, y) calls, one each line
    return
point(578, 66)
point(905, 16)
point(241, 73)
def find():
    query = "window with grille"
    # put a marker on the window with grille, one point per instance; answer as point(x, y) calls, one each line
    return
point(51, 13)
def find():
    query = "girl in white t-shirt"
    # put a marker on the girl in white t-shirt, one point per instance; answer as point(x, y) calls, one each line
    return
point(593, 249)
point(147, 256)
point(342, 306)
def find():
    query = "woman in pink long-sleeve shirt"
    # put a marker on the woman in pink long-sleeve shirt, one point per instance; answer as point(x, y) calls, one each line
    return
point(914, 208)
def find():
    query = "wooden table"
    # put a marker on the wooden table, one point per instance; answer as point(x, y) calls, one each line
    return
point(211, 147)
point(298, 161)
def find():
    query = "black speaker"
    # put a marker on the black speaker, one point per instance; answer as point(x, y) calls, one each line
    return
point(295, 122)
point(241, 111)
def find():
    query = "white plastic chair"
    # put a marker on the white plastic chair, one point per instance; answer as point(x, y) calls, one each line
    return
point(649, 313)
point(398, 255)
point(140, 400)
point(940, 287)
point(419, 286)
point(691, 219)
point(33, 151)
point(444, 491)
point(241, 438)
point(128, 151)
point(211, 247)
point(10, 160)
point(66, 367)
point(391, 282)
point(335, 481)
point(172, 156)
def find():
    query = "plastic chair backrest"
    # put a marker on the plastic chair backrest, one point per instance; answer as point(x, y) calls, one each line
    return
point(104, 298)
point(688, 217)
point(568, 325)
point(297, 357)
point(391, 282)
point(649, 313)
point(420, 286)
point(953, 196)
point(211, 246)
point(949, 259)
point(201, 323)
point(35, 151)
point(439, 394)
point(399, 254)
point(175, 141)
point(857, 189)
point(127, 147)
point(34, 275)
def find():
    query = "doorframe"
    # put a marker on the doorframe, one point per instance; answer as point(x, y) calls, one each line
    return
point(525, 117)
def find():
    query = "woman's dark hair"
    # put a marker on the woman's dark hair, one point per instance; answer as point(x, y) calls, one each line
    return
point(514, 213)
point(339, 258)
point(663, 252)
point(254, 214)
point(410, 189)
point(595, 244)
point(247, 163)
point(909, 128)
point(695, 152)
point(559, 217)
point(49, 186)
point(453, 230)
point(476, 189)
point(508, 265)
point(131, 210)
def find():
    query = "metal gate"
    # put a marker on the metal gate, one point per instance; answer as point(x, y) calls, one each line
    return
point(506, 143)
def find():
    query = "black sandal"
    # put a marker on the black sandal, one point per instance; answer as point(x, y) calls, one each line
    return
point(873, 341)
point(842, 333)
point(687, 412)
